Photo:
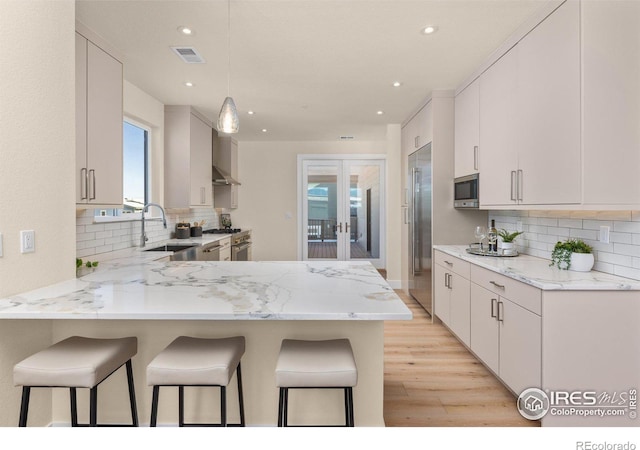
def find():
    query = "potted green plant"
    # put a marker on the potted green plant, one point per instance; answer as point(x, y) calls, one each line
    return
point(83, 268)
point(507, 244)
point(572, 254)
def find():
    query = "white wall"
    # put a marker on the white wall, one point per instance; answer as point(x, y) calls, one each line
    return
point(37, 167)
point(268, 195)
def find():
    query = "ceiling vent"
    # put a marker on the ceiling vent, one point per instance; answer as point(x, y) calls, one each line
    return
point(188, 54)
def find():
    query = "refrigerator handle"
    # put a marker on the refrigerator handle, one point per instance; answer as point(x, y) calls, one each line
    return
point(415, 252)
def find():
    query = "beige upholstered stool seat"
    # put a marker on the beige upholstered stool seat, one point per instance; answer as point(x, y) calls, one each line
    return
point(190, 361)
point(77, 362)
point(316, 364)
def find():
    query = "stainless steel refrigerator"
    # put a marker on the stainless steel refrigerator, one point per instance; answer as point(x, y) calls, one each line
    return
point(420, 226)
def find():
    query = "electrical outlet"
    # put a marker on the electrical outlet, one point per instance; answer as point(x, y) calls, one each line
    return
point(27, 241)
point(604, 234)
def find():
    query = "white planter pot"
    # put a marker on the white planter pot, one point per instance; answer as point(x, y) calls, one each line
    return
point(581, 262)
point(507, 245)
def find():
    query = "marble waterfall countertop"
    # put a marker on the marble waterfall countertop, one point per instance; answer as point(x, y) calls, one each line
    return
point(537, 272)
point(134, 286)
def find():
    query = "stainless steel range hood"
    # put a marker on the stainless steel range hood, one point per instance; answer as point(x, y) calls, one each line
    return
point(222, 178)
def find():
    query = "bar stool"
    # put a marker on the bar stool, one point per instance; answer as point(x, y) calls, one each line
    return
point(190, 361)
point(316, 364)
point(77, 362)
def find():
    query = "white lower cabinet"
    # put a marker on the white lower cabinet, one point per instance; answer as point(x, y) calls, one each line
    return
point(225, 249)
point(507, 338)
point(452, 294)
point(506, 328)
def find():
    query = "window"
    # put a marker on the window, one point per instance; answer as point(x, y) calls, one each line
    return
point(135, 173)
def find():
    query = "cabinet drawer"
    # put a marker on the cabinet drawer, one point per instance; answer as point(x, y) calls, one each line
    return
point(522, 294)
point(453, 264)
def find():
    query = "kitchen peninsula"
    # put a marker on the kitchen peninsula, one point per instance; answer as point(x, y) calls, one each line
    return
point(135, 295)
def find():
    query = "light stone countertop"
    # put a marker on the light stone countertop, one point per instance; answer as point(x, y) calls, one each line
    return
point(537, 272)
point(132, 285)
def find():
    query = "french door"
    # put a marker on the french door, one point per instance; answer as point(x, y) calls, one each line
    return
point(342, 204)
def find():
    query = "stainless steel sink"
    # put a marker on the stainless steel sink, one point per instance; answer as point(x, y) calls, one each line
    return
point(171, 248)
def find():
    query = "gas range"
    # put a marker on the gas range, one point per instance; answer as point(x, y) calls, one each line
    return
point(222, 231)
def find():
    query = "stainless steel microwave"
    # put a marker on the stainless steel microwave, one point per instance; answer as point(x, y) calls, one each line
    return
point(466, 192)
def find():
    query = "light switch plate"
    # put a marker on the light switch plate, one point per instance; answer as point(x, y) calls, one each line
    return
point(604, 234)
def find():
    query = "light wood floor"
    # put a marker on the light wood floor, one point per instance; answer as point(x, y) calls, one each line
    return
point(432, 380)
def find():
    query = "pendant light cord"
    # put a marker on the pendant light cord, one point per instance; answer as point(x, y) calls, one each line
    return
point(229, 47)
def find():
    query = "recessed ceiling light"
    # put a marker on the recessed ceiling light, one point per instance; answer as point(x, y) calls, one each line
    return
point(251, 113)
point(380, 113)
point(346, 138)
point(430, 29)
point(185, 30)
point(188, 84)
point(264, 130)
point(397, 84)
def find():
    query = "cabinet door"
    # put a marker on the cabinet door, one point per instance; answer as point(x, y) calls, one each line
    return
point(498, 131)
point(441, 292)
point(467, 130)
point(104, 127)
point(484, 327)
point(549, 110)
point(424, 126)
point(200, 170)
point(81, 119)
point(520, 347)
point(611, 101)
point(459, 310)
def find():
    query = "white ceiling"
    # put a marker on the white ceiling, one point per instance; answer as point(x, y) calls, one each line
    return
point(310, 69)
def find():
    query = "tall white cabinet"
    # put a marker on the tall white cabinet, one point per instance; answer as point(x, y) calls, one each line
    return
point(99, 88)
point(188, 163)
point(530, 117)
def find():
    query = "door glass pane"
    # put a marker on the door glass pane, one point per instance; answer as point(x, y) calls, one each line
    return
point(322, 204)
point(364, 212)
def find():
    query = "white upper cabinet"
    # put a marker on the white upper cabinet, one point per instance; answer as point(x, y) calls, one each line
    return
point(611, 102)
point(530, 118)
point(188, 164)
point(98, 126)
point(467, 130)
point(418, 132)
point(549, 110)
point(498, 159)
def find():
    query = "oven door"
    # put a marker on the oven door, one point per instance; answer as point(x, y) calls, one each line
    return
point(241, 252)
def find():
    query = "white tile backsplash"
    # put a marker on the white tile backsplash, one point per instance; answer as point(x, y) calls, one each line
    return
point(542, 229)
point(94, 238)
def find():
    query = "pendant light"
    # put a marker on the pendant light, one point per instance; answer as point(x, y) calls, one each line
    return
point(228, 121)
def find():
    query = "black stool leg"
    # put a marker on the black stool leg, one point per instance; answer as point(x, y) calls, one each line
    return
point(24, 406)
point(240, 397)
point(285, 410)
point(73, 399)
point(154, 406)
point(280, 406)
point(93, 407)
point(181, 406)
point(132, 395)
point(223, 406)
point(351, 419)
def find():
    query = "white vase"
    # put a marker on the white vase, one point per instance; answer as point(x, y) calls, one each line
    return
point(581, 262)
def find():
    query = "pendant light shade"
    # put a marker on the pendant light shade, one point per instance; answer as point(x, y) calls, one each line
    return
point(228, 121)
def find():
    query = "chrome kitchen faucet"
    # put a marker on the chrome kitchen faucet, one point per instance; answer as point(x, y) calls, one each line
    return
point(143, 236)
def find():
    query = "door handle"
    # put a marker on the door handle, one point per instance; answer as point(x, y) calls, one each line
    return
point(520, 187)
point(500, 312)
point(92, 175)
point(346, 227)
point(513, 194)
point(475, 157)
point(83, 183)
point(340, 227)
point(494, 301)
